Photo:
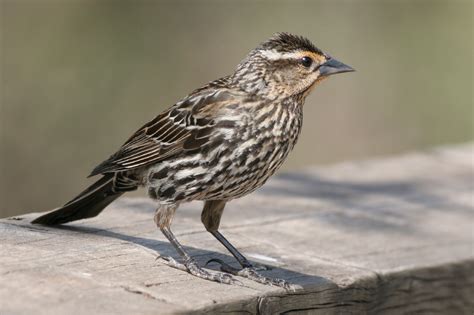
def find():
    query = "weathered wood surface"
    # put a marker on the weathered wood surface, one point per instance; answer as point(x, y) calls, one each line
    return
point(384, 236)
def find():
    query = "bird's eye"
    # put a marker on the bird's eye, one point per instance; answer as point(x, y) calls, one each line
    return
point(306, 61)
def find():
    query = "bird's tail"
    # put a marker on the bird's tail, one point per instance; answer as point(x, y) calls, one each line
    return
point(87, 204)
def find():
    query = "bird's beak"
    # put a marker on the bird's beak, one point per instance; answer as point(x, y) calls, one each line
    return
point(333, 66)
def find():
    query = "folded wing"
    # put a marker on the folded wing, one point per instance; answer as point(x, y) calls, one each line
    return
point(186, 126)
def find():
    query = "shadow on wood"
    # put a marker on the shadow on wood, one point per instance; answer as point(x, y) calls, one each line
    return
point(385, 236)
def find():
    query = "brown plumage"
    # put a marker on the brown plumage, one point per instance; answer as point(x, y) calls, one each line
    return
point(219, 143)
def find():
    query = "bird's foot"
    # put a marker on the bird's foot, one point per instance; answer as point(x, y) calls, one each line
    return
point(193, 268)
point(251, 273)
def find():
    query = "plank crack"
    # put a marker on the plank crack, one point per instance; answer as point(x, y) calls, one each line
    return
point(142, 293)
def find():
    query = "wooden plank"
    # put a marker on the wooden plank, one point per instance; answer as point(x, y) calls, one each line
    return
point(384, 236)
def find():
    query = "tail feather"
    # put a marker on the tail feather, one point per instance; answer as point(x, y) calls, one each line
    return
point(87, 204)
point(102, 182)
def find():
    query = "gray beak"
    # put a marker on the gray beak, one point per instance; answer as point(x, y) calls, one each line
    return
point(333, 66)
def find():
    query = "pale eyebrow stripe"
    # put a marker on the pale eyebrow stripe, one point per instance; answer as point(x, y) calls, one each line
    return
point(275, 55)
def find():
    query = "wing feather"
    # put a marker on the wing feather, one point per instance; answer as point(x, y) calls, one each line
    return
point(185, 127)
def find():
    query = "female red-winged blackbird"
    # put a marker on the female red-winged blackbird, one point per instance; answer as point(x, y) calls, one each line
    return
point(219, 143)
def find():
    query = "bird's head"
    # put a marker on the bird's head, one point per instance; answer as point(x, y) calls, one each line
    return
point(285, 65)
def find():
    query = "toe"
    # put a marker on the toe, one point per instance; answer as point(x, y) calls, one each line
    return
point(252, 274)
point(226, 278)
point(170, 261)
point(193, 268)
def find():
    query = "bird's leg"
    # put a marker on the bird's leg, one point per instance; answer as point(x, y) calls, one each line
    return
point(163, 217)
point(210, 217)
point(240, 258)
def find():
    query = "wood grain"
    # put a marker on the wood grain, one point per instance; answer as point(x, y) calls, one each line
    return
point(384, 236)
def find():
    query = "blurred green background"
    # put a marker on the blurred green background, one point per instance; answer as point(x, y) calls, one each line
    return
point(78, 77)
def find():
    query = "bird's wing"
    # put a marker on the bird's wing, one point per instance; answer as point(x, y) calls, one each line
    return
point(186, 126)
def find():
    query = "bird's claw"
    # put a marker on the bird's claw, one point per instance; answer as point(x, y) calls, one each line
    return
point(170, 261)
point(252, 274)
point(193, 268)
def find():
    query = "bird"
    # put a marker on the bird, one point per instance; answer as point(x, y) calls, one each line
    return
point(220, 142)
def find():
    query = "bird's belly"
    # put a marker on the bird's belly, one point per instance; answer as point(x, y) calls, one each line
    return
point(249, 171)
point(229, 174)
